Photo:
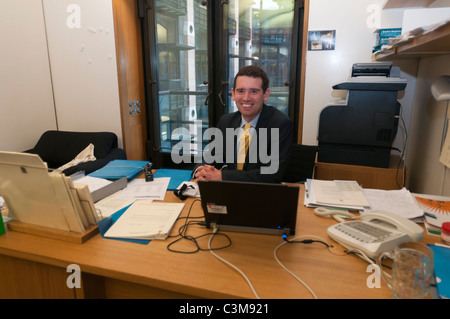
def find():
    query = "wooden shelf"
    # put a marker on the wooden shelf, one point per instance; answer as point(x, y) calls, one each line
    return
point(407, 3)
point(433, 43)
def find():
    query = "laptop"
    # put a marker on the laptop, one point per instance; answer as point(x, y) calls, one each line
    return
point(250, 207)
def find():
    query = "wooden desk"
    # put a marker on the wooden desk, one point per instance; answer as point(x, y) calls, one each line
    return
point(35, 267)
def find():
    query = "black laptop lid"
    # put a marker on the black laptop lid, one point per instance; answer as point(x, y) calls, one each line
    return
point(250, 207)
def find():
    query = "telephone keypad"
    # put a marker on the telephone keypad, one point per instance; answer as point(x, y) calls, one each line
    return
point(363, 232)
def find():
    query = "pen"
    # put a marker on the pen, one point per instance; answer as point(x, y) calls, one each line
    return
point(430, 215)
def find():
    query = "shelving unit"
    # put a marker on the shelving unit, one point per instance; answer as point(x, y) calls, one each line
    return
point(407, 3)
point(433, 43)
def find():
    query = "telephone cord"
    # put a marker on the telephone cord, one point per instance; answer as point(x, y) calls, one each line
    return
point(289, 271)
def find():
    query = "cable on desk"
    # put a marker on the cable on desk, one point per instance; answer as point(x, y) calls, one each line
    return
point(306, 241)
point(309, 240)
point(230, 264)
point(361, 255)
point(337, 214)
point(182, 230)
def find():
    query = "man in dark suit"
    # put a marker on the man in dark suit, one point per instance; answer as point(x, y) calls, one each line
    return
point(271, 134)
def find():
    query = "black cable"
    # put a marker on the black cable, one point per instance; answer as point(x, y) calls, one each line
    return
point(306, 241)
point(182, 234)
point(402, 153)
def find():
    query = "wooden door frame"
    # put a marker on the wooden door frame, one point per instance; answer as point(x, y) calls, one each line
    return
point(130, 72)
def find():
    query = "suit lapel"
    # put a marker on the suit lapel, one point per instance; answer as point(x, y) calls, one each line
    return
point(264, 117)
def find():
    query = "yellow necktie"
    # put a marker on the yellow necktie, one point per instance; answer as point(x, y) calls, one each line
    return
point(243, 146)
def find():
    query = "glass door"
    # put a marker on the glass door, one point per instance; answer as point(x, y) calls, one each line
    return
point(183, 69)
point(192, 51)
point(262, 33)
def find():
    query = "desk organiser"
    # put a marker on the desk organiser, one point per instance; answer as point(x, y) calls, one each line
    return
point(43, 203)
point(52, 233)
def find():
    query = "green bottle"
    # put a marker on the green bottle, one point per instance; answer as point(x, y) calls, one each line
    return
point(2, 225)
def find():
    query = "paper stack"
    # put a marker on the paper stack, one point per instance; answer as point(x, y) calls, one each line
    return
point(349, 195)
point(336, 194)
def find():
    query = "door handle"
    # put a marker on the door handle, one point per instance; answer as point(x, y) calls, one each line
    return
point(207, 98)
point(220, 98)
point(220, 93)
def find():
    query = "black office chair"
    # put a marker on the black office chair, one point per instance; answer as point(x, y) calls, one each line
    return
point(301, 163)
point(57, 148)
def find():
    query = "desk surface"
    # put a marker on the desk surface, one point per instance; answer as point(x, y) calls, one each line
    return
point(138, 268)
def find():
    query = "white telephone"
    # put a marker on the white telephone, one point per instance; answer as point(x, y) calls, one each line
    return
point(376, 232)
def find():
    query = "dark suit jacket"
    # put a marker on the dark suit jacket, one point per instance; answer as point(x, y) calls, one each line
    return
point(269, 118)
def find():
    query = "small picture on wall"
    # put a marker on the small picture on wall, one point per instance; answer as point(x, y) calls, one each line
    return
point(321, 40)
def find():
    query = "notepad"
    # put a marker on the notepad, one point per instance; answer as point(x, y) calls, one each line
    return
point(146, 219)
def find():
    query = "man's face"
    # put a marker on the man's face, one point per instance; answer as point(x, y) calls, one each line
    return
point(249, 96)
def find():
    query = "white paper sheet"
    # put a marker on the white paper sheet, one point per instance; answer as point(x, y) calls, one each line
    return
point(399, 202)
point(140, 189)
point(339, 193)
point(109, 205)
point(93, 183)
point(146, 220)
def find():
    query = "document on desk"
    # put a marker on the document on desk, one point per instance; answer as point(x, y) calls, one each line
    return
point(146, 219)
point(140, 189)
point(111, 204)
point(342, 193)
point(399, 202)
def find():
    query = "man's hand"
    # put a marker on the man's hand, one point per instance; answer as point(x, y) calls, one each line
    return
point(208, 173)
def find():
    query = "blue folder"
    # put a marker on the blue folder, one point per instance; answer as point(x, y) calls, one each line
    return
point(177, 176)
point(117, 169)
point(442, 270)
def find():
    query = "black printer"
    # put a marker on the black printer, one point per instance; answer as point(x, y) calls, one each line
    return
point(362, 131)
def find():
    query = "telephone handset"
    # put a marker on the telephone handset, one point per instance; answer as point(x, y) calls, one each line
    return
point(376, 232)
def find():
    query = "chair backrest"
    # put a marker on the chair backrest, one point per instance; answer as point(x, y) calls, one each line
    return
point(301, 163)
point(59, 147)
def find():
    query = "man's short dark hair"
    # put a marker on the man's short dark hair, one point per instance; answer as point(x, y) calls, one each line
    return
point(254, 72)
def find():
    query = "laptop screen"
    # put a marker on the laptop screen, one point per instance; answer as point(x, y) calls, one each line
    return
point(250, 207)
